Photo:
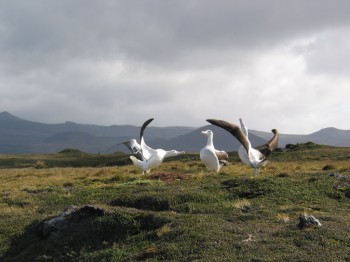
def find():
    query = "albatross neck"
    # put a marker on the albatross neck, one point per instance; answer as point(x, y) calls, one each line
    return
point(210, 140)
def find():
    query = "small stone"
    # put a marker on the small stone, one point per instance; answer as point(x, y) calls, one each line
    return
point(308, 221)
point(339, 176)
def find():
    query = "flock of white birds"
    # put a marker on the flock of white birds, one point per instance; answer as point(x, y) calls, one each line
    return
point(213, 159)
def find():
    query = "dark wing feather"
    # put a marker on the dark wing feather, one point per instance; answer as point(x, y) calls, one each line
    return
point(145, 124)
point(222, 157)
point(233, 129)
point(133, 146)
point(270, 146)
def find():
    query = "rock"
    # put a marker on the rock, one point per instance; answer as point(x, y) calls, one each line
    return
point(342, 184)
point(290, 146)
point(340, 176)
point(308, 221)
point(70, 216)
point(89, 210)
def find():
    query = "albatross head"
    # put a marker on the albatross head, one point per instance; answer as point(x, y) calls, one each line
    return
point(207, 133)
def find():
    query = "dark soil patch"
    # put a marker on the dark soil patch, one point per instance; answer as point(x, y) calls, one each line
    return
point(169, 177)
point(37, 191)
point(247, 188)
point(154, 203)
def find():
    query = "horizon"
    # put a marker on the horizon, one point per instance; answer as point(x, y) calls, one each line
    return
point(126, 124)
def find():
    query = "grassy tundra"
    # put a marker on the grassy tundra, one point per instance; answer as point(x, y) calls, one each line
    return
point(180, 211)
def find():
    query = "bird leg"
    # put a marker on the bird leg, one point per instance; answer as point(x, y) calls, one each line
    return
point(256, 171)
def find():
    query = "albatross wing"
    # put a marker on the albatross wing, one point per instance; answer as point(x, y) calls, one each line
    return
point(222, 157)
point(234, 130)
point(143, 127)
point(270, 146)
point(131, 144)
point(147, 151)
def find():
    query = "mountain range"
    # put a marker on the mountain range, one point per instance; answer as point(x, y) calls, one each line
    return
point(22, 136)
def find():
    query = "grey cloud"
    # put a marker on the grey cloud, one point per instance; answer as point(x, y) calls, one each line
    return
point(329, 53)
point(123, 61)
point(157, 31)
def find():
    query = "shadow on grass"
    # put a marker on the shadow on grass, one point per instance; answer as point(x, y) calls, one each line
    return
point(82, 238)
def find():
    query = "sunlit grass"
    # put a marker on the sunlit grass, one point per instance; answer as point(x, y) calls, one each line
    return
point(204, 216)
point(242, 204)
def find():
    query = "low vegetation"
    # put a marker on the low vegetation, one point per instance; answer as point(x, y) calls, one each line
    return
point(180, 211)
point(65, 158)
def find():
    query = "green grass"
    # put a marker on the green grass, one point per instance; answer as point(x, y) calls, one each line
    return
point(65, 158)
point(179, 212)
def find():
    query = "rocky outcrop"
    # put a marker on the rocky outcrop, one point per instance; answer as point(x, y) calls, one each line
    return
point(69, 217)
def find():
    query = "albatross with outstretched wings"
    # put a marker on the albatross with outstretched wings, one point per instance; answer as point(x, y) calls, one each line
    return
point(151, 158)
point(132, 145)
point(254, 157)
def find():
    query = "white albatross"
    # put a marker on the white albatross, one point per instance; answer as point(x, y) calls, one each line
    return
point(254, 157)
point(151, 158)
point(213, 159)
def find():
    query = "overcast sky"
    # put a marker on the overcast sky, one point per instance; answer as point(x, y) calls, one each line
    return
point(277, 64)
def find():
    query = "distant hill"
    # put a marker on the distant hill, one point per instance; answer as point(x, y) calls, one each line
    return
point(22, 136)
point(327, 136)
point(331, 136)
point(77, 139)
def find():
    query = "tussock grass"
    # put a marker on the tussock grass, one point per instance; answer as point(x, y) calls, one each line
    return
point(283, 217)
point(230, 216)
point(242, 204)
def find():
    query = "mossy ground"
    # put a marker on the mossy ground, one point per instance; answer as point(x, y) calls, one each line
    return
point(182, 212)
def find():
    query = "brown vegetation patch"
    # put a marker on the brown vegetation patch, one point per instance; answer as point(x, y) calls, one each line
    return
point(169, 177)
point(37, 191)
